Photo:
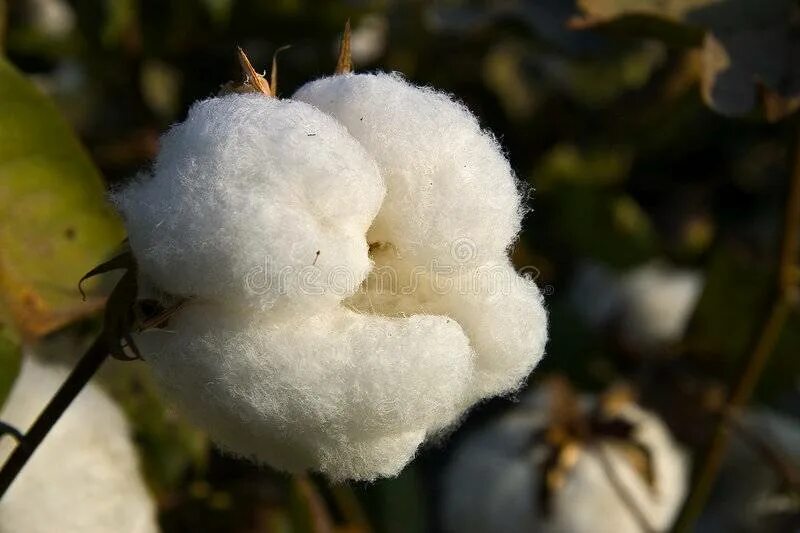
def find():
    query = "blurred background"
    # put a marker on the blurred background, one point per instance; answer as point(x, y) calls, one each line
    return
point(659, 137)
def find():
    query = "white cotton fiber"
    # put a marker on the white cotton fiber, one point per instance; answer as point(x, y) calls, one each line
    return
point(349, 394)
point(256, 199)
point(452, 209)
point(501, 312)
point(451, 194)
point(348, 380)
point(659, 301)
point(494, 479)
point(651, 304)
point(84, 478)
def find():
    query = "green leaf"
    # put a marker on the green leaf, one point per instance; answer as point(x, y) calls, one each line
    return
point(748, 44)
point(10, 358)
point(54, 222)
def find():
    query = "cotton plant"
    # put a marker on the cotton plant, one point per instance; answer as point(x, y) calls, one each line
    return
point(85, 477)
point(259, 243)
point(557, 462)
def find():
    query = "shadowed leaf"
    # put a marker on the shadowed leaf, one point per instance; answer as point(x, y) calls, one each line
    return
point(746, 43)
point(10, 358)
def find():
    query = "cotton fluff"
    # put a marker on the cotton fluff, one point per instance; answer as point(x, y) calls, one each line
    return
point(659, 303)
point(348, 394)
point(339, 377)
point(256, 199)
point(451, 195)
point(650, 304)
point(84, 478)
point(452, 210)
point(493, 480)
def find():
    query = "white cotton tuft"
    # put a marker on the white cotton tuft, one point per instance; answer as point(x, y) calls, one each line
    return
point(348, 394)
point(84, 477)
point(493, 482)
point(501, 312)
point(451, 194)
point(256, 199)
point(452, 210)
point(659, 301)
point(368, 40)
point(650, 304)
point(320, 368)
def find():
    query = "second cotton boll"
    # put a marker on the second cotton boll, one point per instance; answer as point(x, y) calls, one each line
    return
point(297, 373)
point(85, 476)
point(499, 473)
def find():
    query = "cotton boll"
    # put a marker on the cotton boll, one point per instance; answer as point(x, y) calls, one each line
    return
point(84, 478)
point(749, 495)
point(494, 480)
point(659, 300)
point(451, 194)
point(272, 214)
point(650, 305)
point(257, 199)
point(54, 19)
point(336, 391)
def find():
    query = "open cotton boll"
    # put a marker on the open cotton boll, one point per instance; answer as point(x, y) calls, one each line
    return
point(256, 199)
point(336, 391)
point(304, 366)
point(451, 194)
point(650, 305)
point(658, 303)
point(494, 481)
point(84, 478)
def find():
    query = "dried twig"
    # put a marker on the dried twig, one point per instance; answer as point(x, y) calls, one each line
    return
point(622, 491)
point(344, 63)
